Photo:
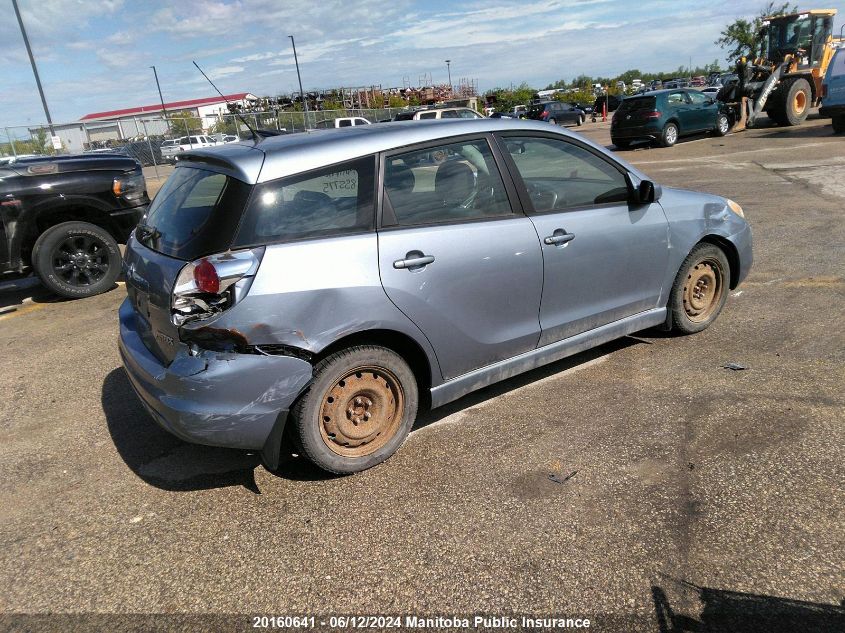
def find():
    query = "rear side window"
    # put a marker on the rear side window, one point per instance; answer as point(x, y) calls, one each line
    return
point(195, 213)
point(332, 201)
point(344, 123)
point(448, 183)
point(428, 115)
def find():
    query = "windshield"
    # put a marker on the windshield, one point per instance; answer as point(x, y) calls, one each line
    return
point(195, 213)
point(785, 35)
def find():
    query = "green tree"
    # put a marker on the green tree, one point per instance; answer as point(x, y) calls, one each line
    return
point(224, 125)
point(185, 123)
point(742, 36)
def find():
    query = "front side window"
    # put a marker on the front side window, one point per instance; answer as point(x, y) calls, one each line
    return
point(331, 201)
point(560, 175)
point(448, 183)
point(698, 98)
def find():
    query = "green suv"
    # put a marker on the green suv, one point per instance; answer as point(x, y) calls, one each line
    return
point(666, 115)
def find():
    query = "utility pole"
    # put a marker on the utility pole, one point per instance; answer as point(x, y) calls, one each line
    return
point(161, 98)
point(34, 68)
point(299, 77)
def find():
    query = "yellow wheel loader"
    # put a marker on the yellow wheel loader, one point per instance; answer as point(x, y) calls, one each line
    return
point(785, 80)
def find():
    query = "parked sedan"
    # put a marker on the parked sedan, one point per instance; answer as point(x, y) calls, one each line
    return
point(329, 284)
point(556, 113)
point(666, 115)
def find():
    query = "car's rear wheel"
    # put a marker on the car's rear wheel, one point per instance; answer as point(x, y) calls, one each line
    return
point(76, 259)
point(622, 144)
point(700, 289)
point(839, 124)
point(358, 411)
point(669, 136)
point(723, 125)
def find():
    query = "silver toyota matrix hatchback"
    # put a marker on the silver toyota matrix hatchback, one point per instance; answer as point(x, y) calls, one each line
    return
point(330, 282)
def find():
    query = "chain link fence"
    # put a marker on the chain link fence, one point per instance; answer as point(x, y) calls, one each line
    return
point(142, 138)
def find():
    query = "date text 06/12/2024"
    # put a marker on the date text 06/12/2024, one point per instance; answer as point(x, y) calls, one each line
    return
point(420, 622)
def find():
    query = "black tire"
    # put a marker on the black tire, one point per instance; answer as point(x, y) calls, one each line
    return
point(76, 259)
point(723, 124)
point(706, 264)
point(669, 135)
point(580, 121)
point(622, 144)
point(839, 124)
point(791, 103)
point(337, 374)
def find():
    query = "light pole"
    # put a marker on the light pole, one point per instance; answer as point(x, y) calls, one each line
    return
point(161, 98)
point(34, 68)
point(299, 77)
point(449, 70)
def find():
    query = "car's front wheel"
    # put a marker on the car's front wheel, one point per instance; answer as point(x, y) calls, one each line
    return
point(670, 135)
point(76, 259)
point(358, 410)
point(700, 289)
point(723, 125)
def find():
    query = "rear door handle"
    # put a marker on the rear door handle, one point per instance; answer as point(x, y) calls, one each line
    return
point(414, 259)
point(558, 238)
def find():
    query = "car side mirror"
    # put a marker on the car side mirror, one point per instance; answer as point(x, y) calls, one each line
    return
point(648, 192)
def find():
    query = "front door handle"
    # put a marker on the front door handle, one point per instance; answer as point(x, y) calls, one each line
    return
point(414, 259)
point(559, 238)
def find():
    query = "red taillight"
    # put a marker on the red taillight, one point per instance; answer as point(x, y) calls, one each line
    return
point(651, 115)
point(206, 277)
point(545, 113)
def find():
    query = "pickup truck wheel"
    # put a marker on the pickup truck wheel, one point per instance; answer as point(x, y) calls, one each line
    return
point(700, 289)
point(839, 124)
point(358, 411)
point(76, 259)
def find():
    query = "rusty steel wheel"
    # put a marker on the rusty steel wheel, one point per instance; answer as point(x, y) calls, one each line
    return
point(700, 289)
point(359, 409)
point(362, 411)
point(703, 290)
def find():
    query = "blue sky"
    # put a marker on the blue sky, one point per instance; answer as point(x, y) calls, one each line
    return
point(95, 55)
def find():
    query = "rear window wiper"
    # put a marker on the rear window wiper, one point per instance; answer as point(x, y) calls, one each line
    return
point(146, 232)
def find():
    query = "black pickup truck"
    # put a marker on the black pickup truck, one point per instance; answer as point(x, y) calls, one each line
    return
point(64, 216)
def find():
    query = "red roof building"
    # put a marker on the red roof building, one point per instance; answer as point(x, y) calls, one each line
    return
point(205, 104)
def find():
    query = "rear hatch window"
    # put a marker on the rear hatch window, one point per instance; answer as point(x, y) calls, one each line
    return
point(536, 110)
point(635, 104)
point(195, 213)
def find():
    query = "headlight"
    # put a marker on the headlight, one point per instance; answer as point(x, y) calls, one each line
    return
point(733, 206)
point(130, 186)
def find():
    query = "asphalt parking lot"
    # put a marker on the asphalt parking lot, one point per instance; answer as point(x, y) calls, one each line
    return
point(621, 484)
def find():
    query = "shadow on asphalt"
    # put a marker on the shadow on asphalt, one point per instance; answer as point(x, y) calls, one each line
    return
point(164, 461)
point(718, 610)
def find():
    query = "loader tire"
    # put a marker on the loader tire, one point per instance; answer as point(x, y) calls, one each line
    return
point(791, 102)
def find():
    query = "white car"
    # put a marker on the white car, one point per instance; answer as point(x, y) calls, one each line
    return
point(344, 121)
point(170, 149)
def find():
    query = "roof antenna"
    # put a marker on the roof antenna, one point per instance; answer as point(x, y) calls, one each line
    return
point(255, 135)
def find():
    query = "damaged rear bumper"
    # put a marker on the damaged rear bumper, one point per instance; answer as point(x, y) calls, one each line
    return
point(214, 398)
